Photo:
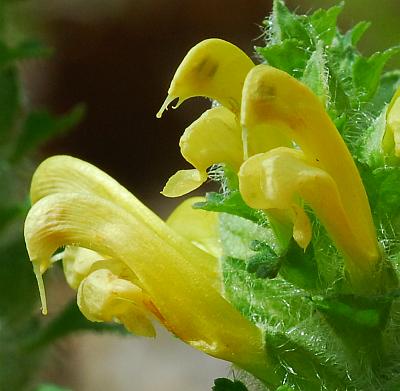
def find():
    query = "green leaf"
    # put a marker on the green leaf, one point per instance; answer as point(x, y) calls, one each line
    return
point(231, 203)
point(40, 126)
point(70, 320)
point(230, 200)
point(367, 72)
point(25, 50)
point(324, 23)
point(300, 268)
point(355, 314)
point(9, 213)
point(294, 356)
point(353, 36)
point(17, 282)
point(285, 25)
point(316, 74)
point(223, 384)
point(386, 188)
point(288, 56)
point(388, 85)
point(9, 101)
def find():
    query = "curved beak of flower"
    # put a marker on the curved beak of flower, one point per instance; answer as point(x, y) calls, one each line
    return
point(323, 174)
point(129, 266)
point(392, 131)
point(213, 68)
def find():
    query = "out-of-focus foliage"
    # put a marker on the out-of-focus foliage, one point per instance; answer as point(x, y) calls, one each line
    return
point(384, 27)
point(24, 338)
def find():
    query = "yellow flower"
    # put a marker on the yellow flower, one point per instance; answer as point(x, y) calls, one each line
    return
point(217, 135)
point(290, 152)
point(323, 174)
point(392, 131)
point(131, 267)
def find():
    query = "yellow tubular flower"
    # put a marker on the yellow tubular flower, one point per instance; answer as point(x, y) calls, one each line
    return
point(214, 138)
point(286, 174)
point(145, 269)
point(213, 68)
point(392, 130)
point(273, 97)
point(65, 174)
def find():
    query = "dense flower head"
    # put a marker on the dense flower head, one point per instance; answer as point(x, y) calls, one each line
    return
point(290, 153)
point(286, 173)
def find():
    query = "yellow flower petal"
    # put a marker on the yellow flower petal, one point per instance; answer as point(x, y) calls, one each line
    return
point(287, 174)
point(183, 294)
point(262, 138)
point(183, 182)
point(65, 174)
point(273, 97)
point(213, 68)
point(199, 226)
point(393, 121)
point(302, 231)
point(249, 175)
point(77, 263)
point(214, 138)
point(103, 297)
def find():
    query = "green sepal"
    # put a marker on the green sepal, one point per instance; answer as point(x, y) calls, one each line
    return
point(288, 56)
point(388, 85)
point(285, 24)
point(324, 22)
point(367, 72)
point(316, 74)
point(353, 36)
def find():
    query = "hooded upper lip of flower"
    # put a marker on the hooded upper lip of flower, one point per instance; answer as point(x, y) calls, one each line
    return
point(289, 150)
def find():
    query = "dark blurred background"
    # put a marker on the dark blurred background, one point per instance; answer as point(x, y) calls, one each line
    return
point(118, 57)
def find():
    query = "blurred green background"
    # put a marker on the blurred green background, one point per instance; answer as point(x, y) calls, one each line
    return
point(118, 57)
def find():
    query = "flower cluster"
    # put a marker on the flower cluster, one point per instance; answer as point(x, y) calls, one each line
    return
point(130, 267)
point(287, 150)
